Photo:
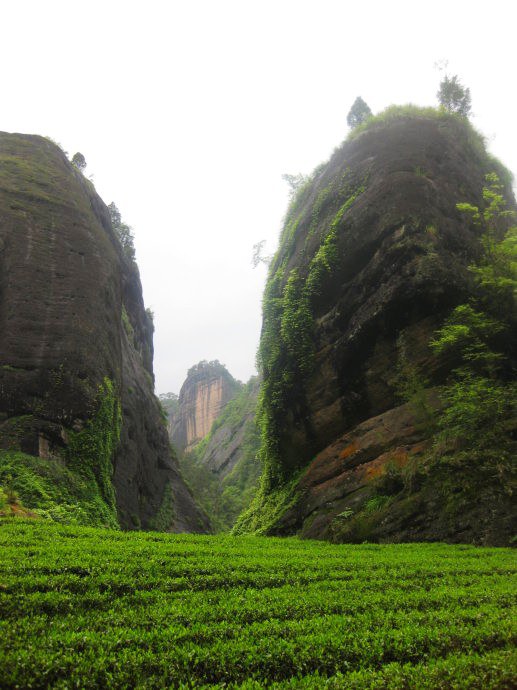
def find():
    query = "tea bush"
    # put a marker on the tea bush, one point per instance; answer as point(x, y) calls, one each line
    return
point(85, 607)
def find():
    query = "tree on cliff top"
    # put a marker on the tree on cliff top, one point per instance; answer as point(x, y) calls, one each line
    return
point(79, 161)
point(358, 113)
point(453, 96)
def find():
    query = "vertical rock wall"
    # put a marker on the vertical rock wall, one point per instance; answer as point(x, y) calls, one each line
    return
point(373, 256)
point(207, 389)
point(72, 317)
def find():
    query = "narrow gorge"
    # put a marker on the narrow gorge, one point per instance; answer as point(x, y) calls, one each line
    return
point(386, 391)
point(212, 425)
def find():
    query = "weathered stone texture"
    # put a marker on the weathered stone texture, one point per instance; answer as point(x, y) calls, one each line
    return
point(64, 283)
point(401, 263)
point(203, 396)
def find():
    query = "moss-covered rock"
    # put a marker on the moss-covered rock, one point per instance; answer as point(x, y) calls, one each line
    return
point(373, 256)
point(76, 377)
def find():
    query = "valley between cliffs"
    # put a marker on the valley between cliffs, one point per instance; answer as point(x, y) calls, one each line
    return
point(386, 400)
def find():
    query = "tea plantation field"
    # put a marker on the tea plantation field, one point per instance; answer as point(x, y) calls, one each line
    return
point(91, 608)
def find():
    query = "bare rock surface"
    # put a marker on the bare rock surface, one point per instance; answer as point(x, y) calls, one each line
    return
point(203, 396)
point(72, 316)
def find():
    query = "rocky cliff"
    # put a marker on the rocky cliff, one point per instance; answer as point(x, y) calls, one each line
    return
point(203, 396)
point(223, 469)
point(373, 256)
point(76, 351)
point(230, 431)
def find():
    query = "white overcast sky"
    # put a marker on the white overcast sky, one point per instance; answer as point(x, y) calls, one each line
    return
point(188, 112)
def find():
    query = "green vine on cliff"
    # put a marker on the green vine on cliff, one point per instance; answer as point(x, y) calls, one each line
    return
point(286, 372)
point(296, 325)
point(128, 328)
point(286, 356)
point(287, 348)
point(322, 264)
point(90, 451)
point(166, 513)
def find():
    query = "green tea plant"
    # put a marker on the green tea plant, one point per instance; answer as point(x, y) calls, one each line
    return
point(89, 608)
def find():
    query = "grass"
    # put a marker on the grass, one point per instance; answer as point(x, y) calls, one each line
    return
point(85, 607)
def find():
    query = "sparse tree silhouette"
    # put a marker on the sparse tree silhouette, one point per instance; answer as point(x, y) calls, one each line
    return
point(258, 256)
point(453, 96)
point(294, 182)
point(123, 232)
point(169, 396)
point(79, 161)
point(359, 112)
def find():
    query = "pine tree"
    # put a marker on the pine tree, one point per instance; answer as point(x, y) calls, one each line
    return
point(359, 113)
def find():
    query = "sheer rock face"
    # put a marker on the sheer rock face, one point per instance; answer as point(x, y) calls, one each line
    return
point(403, 251)
point(400, 263)
point(71, 315)
point(338, 482)
point(207, 389)
point(225, 448)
